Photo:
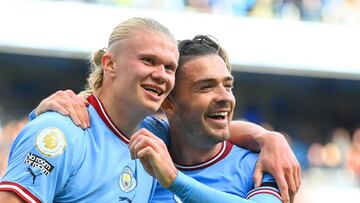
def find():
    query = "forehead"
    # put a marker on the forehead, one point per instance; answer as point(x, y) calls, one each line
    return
point(205, 67)
point(152, 43)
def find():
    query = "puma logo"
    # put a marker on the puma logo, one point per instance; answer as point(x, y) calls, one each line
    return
point(125, 199)
point(33, 174)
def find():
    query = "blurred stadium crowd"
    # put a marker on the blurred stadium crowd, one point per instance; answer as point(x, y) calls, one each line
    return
point(333, 11)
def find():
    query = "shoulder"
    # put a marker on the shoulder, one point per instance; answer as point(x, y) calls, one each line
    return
point(245, 155)
point(158, 127)
point(48, 127)
point(248, 160)
point(48, 145)
point(152, 121)
point(54, 120)
point(245, 161)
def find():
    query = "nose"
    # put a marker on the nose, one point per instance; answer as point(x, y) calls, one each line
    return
point(160, 75)
point(223, 95)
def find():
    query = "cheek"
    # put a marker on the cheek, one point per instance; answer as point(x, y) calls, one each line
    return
point(233, 101)
point(171, 82)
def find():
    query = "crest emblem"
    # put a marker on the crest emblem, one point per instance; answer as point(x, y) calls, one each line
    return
point(127, 180)
point(51, 142)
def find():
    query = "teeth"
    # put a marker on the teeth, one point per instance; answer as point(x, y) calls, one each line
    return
point(219, 114)
point(158, 92)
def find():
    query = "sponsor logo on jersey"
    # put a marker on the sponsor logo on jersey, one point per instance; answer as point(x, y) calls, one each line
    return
point(177, 199)
point(127, 180)
point(33, 174)
point(125, 199)
point(37, 162)
point(51, 142)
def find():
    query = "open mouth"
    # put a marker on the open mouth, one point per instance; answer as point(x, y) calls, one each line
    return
point(153, 90)
point(218, 115)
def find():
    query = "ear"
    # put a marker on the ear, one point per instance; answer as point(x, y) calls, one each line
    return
point(108, 63)
point(168, 106)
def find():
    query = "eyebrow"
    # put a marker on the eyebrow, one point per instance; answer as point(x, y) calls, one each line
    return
point(211, 80)
point(156, 58)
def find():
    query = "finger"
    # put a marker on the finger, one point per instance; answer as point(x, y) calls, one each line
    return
point(296, 178)
point(58, 108)
point(81, 111)
point(69, 92)
point(135, 139)
point(146, 153)
point(282, 184)
point(144, 141)
point(86, 102)
point(72, 113)
point(144, 157)
point(132, 144)
point(139, 144)
point(81, 114)
point(76, 103)
point(290, 179)
point(143, 138)
point(86, 113)
point(297, 175)
point(292, 198)
point(258, 174)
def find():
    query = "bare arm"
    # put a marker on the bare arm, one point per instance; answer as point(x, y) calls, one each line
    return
point(276, 156)
point(9, 197)
point(245, 134)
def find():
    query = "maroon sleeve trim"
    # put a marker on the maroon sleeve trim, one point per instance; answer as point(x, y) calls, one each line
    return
point(21, 191)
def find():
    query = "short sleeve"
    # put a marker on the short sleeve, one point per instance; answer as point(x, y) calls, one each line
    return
point(42, 159)
point(249, 161)
point(32, 115)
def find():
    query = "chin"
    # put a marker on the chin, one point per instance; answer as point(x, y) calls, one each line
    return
point(152, 108)
point(217, 136)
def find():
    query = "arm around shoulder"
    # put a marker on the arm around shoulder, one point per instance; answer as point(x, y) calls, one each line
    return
point(245, 134)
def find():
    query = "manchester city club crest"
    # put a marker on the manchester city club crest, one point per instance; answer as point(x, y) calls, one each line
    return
point(127, 180)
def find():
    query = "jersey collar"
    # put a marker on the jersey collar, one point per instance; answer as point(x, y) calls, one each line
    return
point(96, 103)
point(224, 151)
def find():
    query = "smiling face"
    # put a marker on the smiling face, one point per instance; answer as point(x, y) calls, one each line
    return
point(203, 102)
point(144, 70)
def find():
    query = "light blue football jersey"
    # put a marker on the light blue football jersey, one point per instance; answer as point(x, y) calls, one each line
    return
point(52, 160)
point(230, 171)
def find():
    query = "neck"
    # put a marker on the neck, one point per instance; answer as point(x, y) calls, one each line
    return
point(185, 150)
point(124, 118)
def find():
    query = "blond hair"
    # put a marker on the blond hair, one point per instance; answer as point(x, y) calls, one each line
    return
point(122, 31)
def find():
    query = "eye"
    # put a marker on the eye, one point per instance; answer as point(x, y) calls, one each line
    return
point(229, 86)
point(206, 87)
point(148, 61)
point(169, 68)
